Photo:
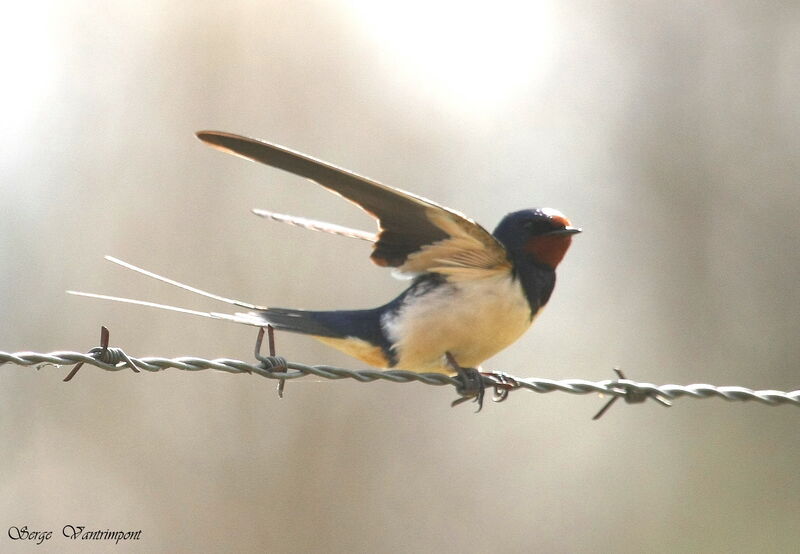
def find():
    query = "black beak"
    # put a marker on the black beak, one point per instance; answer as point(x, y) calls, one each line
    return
point(565, 231)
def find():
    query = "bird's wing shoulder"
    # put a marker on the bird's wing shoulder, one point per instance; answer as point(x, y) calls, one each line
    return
point(415, 235)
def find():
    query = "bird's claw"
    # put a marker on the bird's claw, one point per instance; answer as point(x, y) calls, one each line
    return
point(503, 384)
point(470, 384)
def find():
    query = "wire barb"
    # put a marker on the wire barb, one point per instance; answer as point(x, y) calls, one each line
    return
point(276, 367)
point(105, 354)
point(271, 363)
point(632, 395)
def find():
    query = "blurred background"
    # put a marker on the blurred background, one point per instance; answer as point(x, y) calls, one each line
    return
point(669, 131)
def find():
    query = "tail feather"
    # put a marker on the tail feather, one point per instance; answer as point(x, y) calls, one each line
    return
point(355, 332)
point(245, 318)
point(183, 285)
point(139, 302)
point(363, 324)
point(333, 324)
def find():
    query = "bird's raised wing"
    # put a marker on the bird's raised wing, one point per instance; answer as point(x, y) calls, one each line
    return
point(415, 235)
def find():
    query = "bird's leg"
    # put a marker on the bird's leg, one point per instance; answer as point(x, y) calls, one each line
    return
point(471, 382)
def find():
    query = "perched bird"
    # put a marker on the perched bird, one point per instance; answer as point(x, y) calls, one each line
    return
point(473, 292)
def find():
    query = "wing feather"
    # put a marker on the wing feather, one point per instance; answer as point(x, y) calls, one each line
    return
point(416, 235)
point(315, 225)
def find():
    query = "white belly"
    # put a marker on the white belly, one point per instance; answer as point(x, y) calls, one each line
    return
point(473, 320)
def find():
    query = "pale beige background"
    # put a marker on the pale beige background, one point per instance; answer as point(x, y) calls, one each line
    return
point(669, 131)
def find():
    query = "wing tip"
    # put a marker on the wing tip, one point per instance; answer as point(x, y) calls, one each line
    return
point(231, 143)
point(210, 136)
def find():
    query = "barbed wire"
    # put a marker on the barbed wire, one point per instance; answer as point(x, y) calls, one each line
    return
point(278, 368)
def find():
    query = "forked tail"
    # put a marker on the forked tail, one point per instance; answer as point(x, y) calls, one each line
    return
point(246, 318)
point(363, 324)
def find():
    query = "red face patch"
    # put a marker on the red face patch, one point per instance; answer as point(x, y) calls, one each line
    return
point(549, 249)
point(561, 220)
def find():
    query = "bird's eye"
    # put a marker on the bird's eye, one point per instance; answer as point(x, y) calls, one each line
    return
point(537, 227)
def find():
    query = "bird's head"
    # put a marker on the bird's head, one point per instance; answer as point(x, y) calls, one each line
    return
point(541, 234)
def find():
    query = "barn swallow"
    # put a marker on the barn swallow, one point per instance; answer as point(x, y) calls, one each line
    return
point(472, 292)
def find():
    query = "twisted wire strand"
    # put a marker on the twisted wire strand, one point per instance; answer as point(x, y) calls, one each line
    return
point(273, 367)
